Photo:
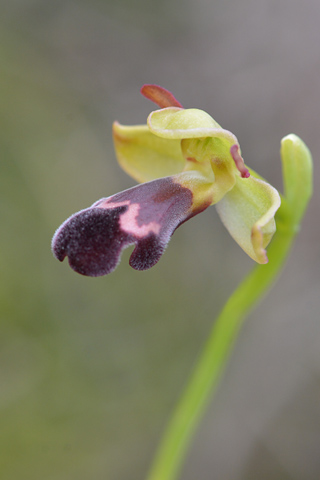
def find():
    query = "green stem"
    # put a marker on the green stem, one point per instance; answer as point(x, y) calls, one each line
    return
point(216, 352)
point(297, 173)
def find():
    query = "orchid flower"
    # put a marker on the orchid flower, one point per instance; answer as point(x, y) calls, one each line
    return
point(185, 162)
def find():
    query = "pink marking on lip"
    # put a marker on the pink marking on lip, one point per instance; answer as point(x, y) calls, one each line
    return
point(128, 223)
point(238, 160)
point(128, 220)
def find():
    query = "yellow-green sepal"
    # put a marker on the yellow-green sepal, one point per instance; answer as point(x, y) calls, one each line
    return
point(145, 156)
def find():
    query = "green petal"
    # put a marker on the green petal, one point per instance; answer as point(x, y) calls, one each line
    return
point(145, 156)
point(247, 211)
point(211, 156)
point(173, 122)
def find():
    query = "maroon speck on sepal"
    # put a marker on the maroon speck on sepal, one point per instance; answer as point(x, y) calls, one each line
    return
point(238, 160)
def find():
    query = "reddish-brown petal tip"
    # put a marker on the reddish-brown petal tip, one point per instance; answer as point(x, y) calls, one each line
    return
point(159, 95)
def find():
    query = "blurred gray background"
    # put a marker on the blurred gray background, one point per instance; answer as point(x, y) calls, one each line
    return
point(90, 369)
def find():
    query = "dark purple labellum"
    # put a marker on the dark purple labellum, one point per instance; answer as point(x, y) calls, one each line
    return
point(145, 215)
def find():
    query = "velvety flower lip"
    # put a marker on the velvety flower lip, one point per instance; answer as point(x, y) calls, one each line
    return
point(145, 215)
point(188, 162)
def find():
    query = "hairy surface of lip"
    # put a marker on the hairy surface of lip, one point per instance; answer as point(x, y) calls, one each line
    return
point(145, 215)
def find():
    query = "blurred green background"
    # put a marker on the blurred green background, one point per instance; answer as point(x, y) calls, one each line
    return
point(90, 368)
